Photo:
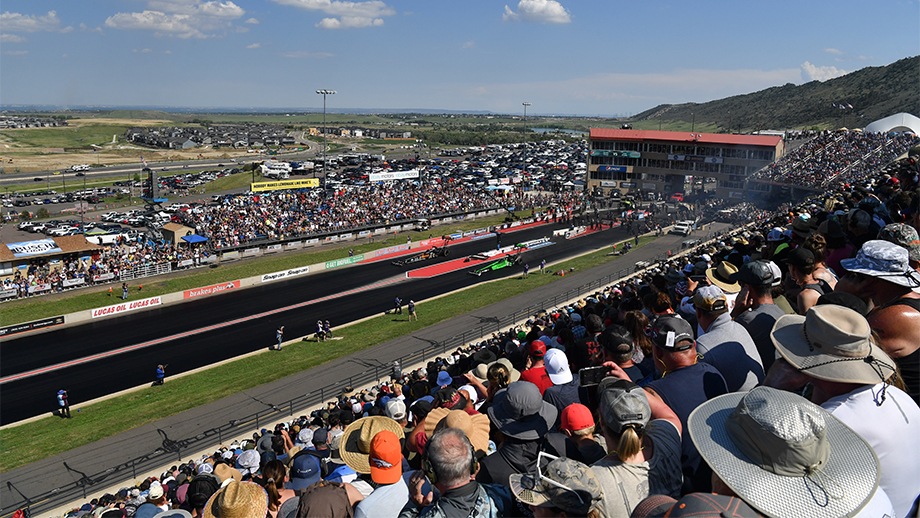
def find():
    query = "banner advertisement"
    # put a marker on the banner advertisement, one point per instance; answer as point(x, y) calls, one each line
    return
point(104, 277)
point(8, 294)
point(300, 183)
point(293, 245)
point(270, 249)
point(37, 247)
point(250, 252)
point(393, 175)
point(210, 290)
point(31, 326)
point(73, 282)
point(293, 272)
point(125, 307)
point(344, 261)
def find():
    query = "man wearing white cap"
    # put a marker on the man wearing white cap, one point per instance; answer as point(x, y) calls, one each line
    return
point(564, 391)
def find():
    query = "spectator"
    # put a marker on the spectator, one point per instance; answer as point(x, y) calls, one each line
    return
point(618, 348)
point(200, 489)
point(536, 373)
point(724, 343)
point(564, 391)
point(452, 468)
point(390, 493)
point(831, 348)
point(754, 308)
point(328, 499)
point(785, 456)
point(801, 263)
point(684, 385)
point(273, 476)
point(564, 487)
point(523, 418)
point(880, 274)
point(643, 441)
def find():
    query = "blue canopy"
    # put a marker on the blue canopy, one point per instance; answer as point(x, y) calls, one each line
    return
point(194, 238)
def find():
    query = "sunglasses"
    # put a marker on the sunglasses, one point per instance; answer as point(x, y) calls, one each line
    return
point(533, 482)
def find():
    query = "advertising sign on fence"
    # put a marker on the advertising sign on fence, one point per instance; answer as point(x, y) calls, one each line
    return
point(125, 307)
point(210, 290)
point(293, 272)
point(30, 326)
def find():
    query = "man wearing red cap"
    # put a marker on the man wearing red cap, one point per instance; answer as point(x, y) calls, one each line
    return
point(537, 374)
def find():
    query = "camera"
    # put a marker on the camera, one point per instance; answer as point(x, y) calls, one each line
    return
point(591, 376)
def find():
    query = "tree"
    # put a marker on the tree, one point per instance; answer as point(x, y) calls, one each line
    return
point(25, 215)
point(42, 213)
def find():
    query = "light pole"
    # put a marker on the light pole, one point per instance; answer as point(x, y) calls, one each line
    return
point(324, 93)
point(525, 104)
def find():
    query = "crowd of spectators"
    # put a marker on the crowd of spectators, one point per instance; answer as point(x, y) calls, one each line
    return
point(836, 156)
point(702, 385)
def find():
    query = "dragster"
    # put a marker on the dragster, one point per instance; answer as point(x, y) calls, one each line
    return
point(435, 251)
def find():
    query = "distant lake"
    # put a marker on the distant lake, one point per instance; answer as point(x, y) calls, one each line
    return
point(558, 130)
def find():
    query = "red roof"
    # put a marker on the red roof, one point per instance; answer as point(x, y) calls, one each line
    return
point(678, 136)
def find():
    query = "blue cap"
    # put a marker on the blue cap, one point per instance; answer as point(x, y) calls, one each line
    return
point(305, 471)
point(444, 379)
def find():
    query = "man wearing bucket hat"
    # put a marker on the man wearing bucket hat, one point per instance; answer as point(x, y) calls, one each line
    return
point(560, 487)
point(785, 456)
point(831, 349)
point(881, 274)
point(523, 418)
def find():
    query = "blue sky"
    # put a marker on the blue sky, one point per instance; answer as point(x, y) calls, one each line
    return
point(583, 57)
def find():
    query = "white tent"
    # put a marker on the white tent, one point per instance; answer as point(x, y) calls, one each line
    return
point(897, 122)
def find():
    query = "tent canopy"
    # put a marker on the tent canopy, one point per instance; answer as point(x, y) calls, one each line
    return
point(194, 238)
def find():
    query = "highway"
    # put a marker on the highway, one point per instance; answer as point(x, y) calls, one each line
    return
point(187, 336)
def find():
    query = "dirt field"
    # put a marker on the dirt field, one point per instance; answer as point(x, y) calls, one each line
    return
point(19, 157)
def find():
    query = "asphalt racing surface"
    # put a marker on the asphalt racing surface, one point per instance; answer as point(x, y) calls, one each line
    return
point(198, 333)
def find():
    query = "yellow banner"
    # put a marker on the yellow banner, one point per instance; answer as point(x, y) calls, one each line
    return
point(303, 183)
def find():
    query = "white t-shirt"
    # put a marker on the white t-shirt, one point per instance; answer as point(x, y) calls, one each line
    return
point(892, 429)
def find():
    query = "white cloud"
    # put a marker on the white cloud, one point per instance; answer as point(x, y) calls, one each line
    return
point(539, 11)
point(15, 53)
point(11, 38)
point(142, 51)
point(812, 72)
point(468, 44)
point(832, 50)
point(17, 22)
point(180, 19)
point(252, 21)
point(254, 46)
point(345, 15)
point(349, 22)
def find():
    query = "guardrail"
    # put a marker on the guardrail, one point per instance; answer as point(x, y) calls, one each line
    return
point(172, 450)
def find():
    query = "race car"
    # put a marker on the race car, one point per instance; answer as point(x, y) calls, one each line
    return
point(504, 262)
point(435, 251)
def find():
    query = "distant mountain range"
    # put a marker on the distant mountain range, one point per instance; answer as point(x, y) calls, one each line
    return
point(855, 99)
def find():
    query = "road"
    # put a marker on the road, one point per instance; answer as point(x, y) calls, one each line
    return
point(194, 334)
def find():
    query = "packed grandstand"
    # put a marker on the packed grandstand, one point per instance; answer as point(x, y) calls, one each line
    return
point(643, 398)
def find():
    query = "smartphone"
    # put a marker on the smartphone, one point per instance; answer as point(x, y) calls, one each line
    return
point(591, 376)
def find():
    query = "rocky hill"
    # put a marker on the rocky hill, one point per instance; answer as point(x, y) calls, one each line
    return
point(852, 100)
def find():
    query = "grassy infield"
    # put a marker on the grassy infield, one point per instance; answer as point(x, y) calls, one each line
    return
point(49, 436)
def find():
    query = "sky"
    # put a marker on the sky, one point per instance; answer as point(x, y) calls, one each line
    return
point(564, 57)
